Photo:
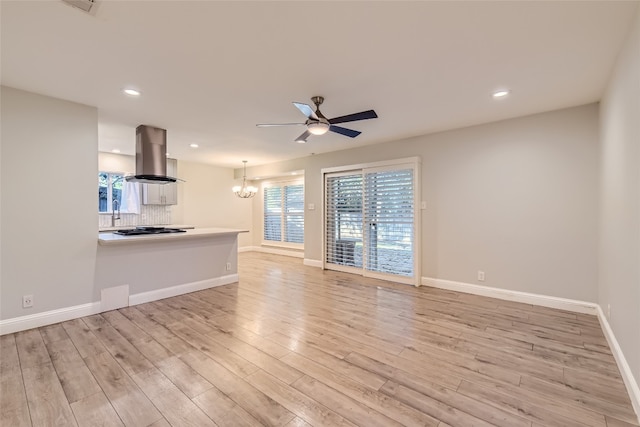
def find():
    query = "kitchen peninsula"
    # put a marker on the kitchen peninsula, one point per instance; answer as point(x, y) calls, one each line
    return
point(141, 268)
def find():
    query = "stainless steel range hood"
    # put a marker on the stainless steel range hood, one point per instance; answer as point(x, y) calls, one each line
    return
point(151, 156)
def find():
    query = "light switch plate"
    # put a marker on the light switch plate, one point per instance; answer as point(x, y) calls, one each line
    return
point(311, 206)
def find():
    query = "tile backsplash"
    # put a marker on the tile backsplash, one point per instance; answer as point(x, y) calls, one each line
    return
point(149, 215)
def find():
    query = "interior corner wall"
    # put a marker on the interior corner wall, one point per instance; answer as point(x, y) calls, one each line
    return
point(206, 200)
point(48, 184)
point(517, 199)
point(619, 245)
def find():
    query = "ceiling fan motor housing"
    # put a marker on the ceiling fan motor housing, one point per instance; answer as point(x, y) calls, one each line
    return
point(318, 100)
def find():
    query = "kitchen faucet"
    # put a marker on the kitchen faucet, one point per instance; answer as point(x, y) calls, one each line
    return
point(116, 206)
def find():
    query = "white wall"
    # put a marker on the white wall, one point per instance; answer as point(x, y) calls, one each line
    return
point(619, 258)
point(111, 162)
point(206, 200)
point(49, 222)
point(516, 199)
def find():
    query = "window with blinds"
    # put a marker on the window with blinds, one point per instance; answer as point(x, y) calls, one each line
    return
point(284, 213)
point(370, 221)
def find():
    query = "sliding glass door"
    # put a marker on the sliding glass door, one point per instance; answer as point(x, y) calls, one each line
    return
point(370, 222)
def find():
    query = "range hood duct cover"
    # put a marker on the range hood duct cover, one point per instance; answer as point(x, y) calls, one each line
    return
point(151, 156)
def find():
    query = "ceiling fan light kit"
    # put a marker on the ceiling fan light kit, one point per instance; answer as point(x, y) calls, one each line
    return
point(318, 124)
point(318, 128)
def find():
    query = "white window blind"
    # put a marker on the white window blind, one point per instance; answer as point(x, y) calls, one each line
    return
point(343, 211)
point(273, 214)
point(284, 213)
point(389, 218)
point(370, 222)
point(294, 213)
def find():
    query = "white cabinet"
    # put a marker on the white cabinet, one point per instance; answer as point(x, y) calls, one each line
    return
point(162, 194)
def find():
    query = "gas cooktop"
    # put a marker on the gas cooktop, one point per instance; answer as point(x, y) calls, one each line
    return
point(149, 230)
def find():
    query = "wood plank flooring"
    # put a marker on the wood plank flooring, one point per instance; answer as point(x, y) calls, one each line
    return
point(291, 345)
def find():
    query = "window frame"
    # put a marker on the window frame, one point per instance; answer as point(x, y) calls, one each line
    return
point(283, 214)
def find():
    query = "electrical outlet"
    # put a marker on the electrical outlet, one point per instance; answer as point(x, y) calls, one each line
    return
point(228, 266)
point(27, 301)
point(481, 276)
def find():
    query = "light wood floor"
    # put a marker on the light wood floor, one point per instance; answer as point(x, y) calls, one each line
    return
point(296, 346)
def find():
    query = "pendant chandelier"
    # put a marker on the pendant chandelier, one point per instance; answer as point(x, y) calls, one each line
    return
point(245, 191)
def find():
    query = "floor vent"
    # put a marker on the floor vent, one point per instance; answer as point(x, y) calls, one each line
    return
point(88, 6)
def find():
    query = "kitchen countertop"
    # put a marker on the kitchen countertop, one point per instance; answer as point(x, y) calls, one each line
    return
point(131, 227)
point(116, 239)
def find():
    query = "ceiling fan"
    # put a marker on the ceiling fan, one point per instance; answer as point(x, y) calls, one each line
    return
point(318, 124)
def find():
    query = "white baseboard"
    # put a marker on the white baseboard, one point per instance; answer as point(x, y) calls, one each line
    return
point(186, 288)
point(517, 296)
point(625, 370)
point(313, 262)
point(271, 250)
point(37, 320)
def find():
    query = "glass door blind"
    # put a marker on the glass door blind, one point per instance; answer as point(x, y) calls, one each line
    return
point(344, 220)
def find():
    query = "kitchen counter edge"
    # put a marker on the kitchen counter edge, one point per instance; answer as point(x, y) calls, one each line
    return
point(131, 227)
point(116, 239)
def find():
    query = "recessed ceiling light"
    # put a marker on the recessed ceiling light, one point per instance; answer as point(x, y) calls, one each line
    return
point(131, 92)
point(193, 145)
point(115, 150)
point(500, 93)
point(300, 141)
point(294, 173)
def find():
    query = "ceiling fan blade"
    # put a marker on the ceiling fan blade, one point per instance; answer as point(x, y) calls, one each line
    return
point(266, 125)
point(363, 115)
point(306, 110)
point(303, 137)
point(344, 131)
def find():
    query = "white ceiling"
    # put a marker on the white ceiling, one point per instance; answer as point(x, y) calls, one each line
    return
point(209, 71)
